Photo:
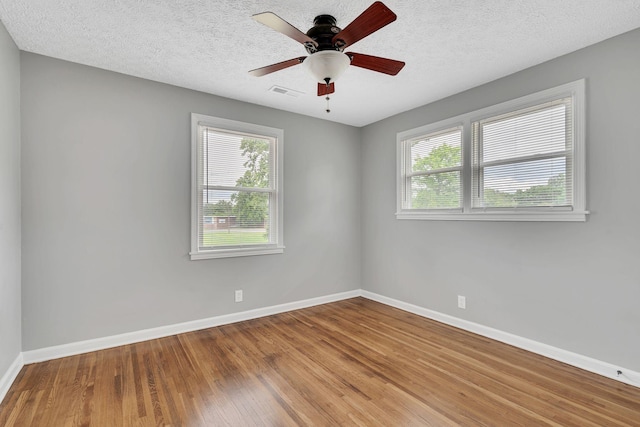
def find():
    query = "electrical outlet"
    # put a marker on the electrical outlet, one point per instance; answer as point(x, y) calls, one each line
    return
point(462, 302)
point(239, 295)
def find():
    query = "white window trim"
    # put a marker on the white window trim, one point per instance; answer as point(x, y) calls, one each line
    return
point(277, 209)
point(574, 89)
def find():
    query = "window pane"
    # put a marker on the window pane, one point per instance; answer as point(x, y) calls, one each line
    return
point(234, 218)
point(439, 151)
point(439, 190)
point(232, 160)
point(525, 133)
point(538, 183)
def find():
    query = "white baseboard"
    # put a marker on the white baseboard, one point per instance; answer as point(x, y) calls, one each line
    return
point(10, 376)
point(588, 364)
point(64, 350)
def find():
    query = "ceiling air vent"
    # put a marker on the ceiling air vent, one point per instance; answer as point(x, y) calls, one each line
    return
point(284, 91)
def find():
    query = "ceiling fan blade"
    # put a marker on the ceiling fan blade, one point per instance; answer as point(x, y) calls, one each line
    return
point(273, 21)
point(375, 17)
point(259, 72)
point(375, 63)
point(323, 89)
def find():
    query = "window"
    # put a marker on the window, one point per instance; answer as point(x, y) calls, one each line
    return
point(522, 160)
point(236, 189)
point(434, 176)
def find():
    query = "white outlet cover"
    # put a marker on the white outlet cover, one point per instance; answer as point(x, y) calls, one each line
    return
point(462, 302)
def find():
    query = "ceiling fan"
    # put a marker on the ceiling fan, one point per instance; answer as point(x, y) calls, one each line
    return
point(325, 43)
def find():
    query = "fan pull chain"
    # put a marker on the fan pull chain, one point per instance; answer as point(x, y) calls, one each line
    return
point(327, 110)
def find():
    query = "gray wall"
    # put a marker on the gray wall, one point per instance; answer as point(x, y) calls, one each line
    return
point(10, 339)
point(105, 198)
point(106, 202)
point(575, 286)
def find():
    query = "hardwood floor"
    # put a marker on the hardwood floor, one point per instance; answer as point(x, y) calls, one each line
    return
point(354, 362)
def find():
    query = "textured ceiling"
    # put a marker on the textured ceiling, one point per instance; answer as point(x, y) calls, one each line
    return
point(449, 46)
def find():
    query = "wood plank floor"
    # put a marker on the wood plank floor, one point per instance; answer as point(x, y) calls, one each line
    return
point(354, 362)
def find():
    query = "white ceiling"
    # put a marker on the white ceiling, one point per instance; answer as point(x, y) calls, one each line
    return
point(449, 46)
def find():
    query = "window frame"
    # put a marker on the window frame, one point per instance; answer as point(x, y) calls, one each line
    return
point(275, 209)
point(577, 211)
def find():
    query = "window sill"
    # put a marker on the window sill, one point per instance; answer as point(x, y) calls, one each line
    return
point(496, 216)
point(231, 253)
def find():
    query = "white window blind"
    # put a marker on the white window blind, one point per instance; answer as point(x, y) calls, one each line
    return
point(237, 189)
point(524, 158)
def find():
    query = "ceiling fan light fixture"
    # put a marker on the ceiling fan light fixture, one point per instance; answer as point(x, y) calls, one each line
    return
point(327, 64)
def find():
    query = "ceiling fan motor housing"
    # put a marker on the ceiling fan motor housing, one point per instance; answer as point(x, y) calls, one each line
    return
point(323, 30)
